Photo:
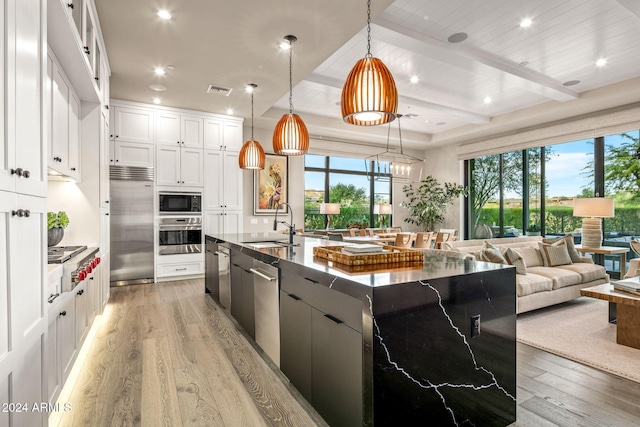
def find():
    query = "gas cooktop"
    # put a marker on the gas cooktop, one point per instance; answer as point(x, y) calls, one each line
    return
point(61, 254)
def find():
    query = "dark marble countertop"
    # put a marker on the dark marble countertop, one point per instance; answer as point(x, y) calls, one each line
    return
point(302, 255)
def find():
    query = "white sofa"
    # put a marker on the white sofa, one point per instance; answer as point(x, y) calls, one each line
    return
point(540, 286)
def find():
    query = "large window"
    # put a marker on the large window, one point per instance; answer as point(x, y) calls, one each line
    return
point(345, 181)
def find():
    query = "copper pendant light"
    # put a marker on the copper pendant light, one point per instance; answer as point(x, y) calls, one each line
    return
point(369, 95)
point(290, 137)
point(251, 154)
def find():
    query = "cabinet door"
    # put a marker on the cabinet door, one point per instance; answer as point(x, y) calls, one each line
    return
point(74, 136)
point(60, 121)
point(233, 136)
point(191, 131)
point(167, 128)
point(295, 341)
point(168, 165)
point(80, 295)
point(191, 164)
point(213, 134)
point(134, 125)
point(213, 223)
point(248, 313)
point(231, 175)
point(90, 298)
point(336, 370)
point(236, 291)
point(213, 179)
point(53, 370)
point(66, 334)
point(133, 154)
point(105, 282)
point(105, 161)
point(232, 222)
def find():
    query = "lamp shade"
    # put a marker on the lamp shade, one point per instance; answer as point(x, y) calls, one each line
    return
point(369, 95)
point(598, 207)
point(330, 208)
point(290, 137)
point(385, 209)
point(251, 156)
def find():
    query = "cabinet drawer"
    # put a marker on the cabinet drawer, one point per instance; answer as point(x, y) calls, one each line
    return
point(336, 304)
point(180, 269)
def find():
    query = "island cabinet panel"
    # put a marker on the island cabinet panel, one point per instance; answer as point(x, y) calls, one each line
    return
point(242, 306)
point(320, 351)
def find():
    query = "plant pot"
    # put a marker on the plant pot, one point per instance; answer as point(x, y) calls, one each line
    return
point(54, 236)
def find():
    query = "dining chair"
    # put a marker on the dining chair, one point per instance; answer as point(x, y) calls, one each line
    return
point(370, 232)
point(403, 240)
point(441, 237)
point(354, 232)
point(394, 230)
point(335, 236)
point(452, 231)
point(424, 240)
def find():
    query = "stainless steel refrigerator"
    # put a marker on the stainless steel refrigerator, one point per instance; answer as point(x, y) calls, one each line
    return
point(131, 225)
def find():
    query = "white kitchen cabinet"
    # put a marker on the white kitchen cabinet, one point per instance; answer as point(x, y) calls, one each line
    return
point(105, 162)
point(80, 295)
point(64, 146)
point(105, 281)
point(133, 125)
point(54, 378)
point(124, 153)
point(217, 222)
point(179, 166)
point(66, 329)
point(220, 134)
point(222, 180)
point(176, 129)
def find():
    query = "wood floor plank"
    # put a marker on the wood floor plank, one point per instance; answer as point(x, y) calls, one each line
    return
point(526, 418)
point(159, 403)
point(197, 405)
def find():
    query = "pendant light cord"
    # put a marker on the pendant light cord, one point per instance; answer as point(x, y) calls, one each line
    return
point(369, 29)
point(290, 78)
point(252, 114)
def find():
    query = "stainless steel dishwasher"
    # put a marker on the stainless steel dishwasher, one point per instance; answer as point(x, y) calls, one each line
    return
point(224, 277)
point(266, 299)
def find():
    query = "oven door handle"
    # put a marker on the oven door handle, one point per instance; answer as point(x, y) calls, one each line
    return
point(180, 227)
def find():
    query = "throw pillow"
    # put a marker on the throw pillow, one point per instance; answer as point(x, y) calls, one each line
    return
point(515, 259)
point(571, 248)
point(530, 256)
point(555, 254)
point(492, 254)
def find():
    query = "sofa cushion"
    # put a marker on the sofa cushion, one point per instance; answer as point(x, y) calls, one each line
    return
point(554, 254)
point(531, 283)
point(560, 277)
point(530, 255)
point(589, 272)
point(515, 259)
point(571, 248)
point(491, 253)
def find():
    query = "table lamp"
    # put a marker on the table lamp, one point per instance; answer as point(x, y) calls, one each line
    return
point(593, 209)
point(330, 209)
point(383, 210)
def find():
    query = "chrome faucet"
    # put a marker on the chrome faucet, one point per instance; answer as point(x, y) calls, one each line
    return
point(292, 228)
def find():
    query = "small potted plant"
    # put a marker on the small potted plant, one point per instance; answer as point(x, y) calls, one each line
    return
point(56, 223)
point(533, 230)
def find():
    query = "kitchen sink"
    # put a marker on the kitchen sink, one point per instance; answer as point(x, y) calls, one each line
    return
point(262, 244)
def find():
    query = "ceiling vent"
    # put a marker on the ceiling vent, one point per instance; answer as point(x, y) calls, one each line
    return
point(219, 90)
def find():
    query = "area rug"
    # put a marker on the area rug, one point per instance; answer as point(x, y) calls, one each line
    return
point(579, 330)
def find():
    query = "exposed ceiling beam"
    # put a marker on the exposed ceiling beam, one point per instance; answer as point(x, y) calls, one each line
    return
point(467, 115)
point(632, 6)
point(472, 60)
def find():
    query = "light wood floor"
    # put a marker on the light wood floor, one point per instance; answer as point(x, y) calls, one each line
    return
point(167, 355)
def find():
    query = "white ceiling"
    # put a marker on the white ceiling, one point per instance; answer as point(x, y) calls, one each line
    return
point(232, 43)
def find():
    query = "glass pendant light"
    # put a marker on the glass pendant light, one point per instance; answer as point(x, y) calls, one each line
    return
point(251, 154)
point(290, 137)
point(369, 95)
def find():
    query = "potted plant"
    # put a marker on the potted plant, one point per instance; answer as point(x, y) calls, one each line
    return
point(533, 230)
point(428, 201)
point(56, 223)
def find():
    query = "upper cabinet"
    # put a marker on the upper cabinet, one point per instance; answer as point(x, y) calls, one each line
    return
point(133, 125)
point(173, 128)
point(223, 135)
point(74, 35)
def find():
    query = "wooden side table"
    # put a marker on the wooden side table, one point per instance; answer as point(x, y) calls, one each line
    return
point(608, 250)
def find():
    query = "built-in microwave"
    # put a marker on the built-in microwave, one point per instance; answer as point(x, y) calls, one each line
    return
point(174, 203)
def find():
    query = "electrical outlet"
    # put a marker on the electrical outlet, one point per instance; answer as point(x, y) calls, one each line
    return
point(254, 220)
point(265, 220)
point(475, 326)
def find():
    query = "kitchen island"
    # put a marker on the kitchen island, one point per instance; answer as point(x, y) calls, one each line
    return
point(400, 345)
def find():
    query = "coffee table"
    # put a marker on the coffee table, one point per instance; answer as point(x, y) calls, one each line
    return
point(628, 312)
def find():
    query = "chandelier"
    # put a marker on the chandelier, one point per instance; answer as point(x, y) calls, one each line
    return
point(393, 165)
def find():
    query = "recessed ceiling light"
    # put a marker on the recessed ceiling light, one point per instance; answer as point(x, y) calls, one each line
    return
point(414, 79)
point(229, 111)
point(171, 67)
point(159, 71)
point(487, 100)
point(157, 100)
point(426, 121)
point(157, 88)
point(526, 23)
point(164, 14)
point(457, 37)
point(571, 83)
point(601, 62)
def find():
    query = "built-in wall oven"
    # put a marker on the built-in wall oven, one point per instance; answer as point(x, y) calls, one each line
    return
point(180, 235)
point(179, 203)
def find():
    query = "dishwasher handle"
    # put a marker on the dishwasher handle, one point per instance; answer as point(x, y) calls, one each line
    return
point(263, 275)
